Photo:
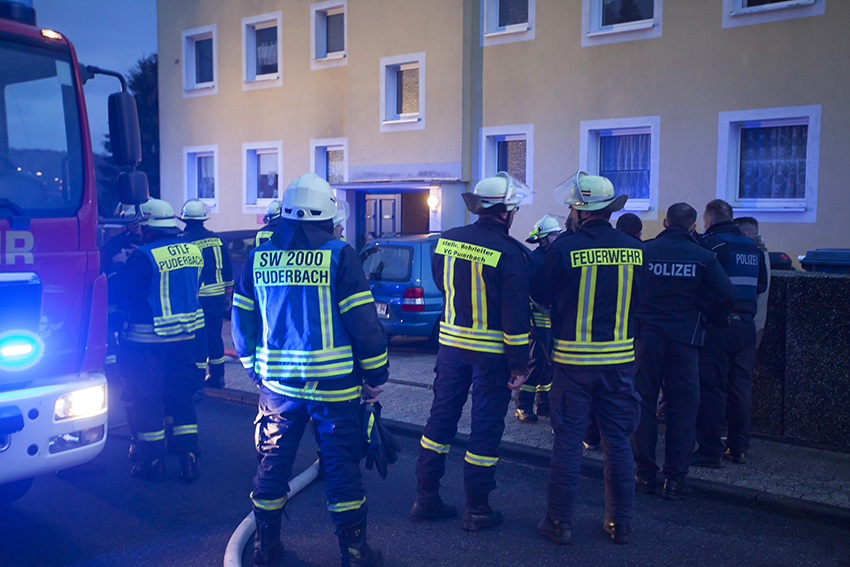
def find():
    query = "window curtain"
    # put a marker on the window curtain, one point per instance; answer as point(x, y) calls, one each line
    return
point(206, 178)
point(773, 162)
point(625, 161)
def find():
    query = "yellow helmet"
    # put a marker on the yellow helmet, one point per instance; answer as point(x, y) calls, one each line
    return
point(309, 198)
point(272, 211)
point(157, 213)
point(587, 192)
point(195, 209)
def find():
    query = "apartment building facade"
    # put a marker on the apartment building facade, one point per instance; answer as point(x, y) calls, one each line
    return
point(403, 105)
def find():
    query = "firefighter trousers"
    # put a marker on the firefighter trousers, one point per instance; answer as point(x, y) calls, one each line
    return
point(209, 346)
point(279, 426)
point(161, 379)
point(611, 391)
point(541, 371)
point(457, 370)
point(675, 366)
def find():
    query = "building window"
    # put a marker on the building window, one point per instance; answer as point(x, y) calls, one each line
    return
point(507, 21)
point(768, 161)
point(510, 149)
point(261, 51)
point(201, 174)
point(626, 152)
point(200, 74)
point(262, 163)
point(747, 12)
point(329, 159)
point(613, 21)
point(403, 92)
point(329, 34)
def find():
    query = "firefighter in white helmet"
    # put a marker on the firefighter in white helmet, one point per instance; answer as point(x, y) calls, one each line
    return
point(271, 219)
point(484, 329)
point(306, 330)
point(343, 210)
point(216, 283)
point(544, 233)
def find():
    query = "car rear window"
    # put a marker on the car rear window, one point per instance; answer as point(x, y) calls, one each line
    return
point(388, 263)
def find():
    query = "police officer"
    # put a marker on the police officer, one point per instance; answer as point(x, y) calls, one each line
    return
point(728, 355)
point(158, 294)
point(483, 337)
point(684, 280)
point(272, 218)
point(216, 282)
point(306, 330)
point(544, 233)
point(592, 280)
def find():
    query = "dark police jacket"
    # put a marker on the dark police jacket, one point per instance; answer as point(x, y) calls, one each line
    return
point(217, 275)
point(481, 272)
point(684, 280)
point(593, 280)
point(741, 259)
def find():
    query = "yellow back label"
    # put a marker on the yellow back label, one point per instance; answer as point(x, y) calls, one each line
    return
point(292, 267)
point(471, 252)
point(207, 242)
point(606, 257)
point(176, 256)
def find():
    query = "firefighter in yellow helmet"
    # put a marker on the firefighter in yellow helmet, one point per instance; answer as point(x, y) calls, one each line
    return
point(271, 219)
point(484, 328)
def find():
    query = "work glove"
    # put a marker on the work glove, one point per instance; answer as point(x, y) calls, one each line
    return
point(381, 447)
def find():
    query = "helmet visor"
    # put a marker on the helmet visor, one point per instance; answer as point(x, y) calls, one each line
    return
point(568, 192)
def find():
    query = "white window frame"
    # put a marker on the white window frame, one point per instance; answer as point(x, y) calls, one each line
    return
point(493, 34)
point(250, 151)
point(188, 39)
point(190, 173)
point(319, 154)
point(593, 33)
point(391, 122)
point(589, 155)
point(250, 80)
point(319, 11)
point(728, 162)
point(736, 14)
point(489, 152)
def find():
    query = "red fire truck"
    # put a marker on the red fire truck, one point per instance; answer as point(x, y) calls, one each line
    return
point(53, 302)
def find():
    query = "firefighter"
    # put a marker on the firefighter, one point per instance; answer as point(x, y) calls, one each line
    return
point(216, 283)
point(306, 330)
point(271, 219)
point(483, 338)
point(544, 233)
point(158, 294)
point(592, 280)
point(729, 352)
point(342, 212)
point(684, 281)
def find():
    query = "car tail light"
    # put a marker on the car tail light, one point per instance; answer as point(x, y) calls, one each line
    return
point(414, 299)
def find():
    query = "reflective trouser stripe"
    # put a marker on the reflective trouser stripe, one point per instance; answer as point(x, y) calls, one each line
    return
point(201, 365)
point(434, 446)
point(152, 436)
point(528, 388)
point(186, 429)
point(217, 361)
point(268, 504)
point(544, 387)
point(243, 302)
point(110, 359)
point(346, 506)
point(480, 460)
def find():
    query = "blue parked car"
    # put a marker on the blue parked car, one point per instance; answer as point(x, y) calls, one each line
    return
point(398, 268)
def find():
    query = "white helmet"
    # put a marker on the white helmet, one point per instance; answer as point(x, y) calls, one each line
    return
point(587, 192)
point(501, 189)
point(343, 210)
point(158, 213)
point(547, 225)
point(272, 211)
point(195, 209)
point(309, 198)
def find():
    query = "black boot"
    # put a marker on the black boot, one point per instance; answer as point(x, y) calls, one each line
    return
point(135, 452)
point(188, 467)
point(149, 469)
point(525, 415)
point(215, 379)
point(428, 504)
point(267, 547)
point(478, 515)
point(353, 547)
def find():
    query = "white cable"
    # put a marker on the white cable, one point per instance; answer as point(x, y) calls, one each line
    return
point(243, 533)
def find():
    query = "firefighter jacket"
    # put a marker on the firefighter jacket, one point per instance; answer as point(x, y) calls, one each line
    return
point(539, 315)
point(217, 276)
point(265, 233)
point(303, 313)
point(158, 291)
point(683, 282)
point(741, 259)
point(593, 281)
point(481, 272)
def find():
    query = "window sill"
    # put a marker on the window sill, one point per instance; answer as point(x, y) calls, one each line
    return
point(508, 30)
point(771, 7)
point(200, 87)
point(622, 28)
point(401, 121)
point(740, 209)
point(331, 57)
point(639, 207)
point(261, 78)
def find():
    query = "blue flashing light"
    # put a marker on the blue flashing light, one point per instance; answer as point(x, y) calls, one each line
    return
point(19, 350)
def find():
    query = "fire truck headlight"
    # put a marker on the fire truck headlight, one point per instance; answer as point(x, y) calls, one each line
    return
point(81, 403)
point(19, 350)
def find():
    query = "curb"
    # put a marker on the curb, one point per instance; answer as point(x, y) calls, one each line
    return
point(592, 468)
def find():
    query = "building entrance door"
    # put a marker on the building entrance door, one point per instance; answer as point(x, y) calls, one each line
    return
point(383, 214)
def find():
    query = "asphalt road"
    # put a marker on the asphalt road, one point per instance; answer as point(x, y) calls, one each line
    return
point(99, 516)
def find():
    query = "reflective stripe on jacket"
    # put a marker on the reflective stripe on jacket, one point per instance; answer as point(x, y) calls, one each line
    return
point(217, 275)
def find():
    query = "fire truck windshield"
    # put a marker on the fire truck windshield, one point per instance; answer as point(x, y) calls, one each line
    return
point(41, 157)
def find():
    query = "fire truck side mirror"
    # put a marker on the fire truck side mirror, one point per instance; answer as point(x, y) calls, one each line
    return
point(124, 130)
point(133, 187)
